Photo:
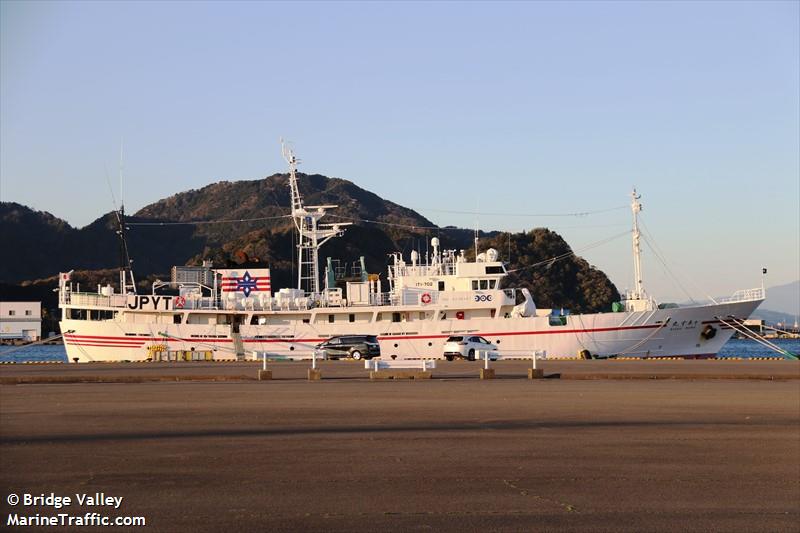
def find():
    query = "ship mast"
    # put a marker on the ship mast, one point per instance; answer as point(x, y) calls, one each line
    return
point(312, 234)
point(126, 263)
point(636, 207)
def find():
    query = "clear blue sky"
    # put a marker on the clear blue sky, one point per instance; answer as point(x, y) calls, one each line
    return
point(501, 107)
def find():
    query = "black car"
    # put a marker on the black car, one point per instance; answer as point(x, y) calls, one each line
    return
point(355, 346)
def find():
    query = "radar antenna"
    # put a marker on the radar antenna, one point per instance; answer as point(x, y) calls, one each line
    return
point(312, 234)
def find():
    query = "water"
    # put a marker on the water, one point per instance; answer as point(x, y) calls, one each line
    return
point(734, 348)
point(745, 349)
point(50, 352)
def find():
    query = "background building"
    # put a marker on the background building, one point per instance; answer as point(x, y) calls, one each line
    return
point(21, 320)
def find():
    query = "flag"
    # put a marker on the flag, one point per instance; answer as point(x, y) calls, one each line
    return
point(245, 282)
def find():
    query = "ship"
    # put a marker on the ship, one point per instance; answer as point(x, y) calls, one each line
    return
point(235, 313)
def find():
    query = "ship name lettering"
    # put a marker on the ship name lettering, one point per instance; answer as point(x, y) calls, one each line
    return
point(149, 302)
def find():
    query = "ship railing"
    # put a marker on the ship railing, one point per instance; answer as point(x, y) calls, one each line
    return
point(270, 304)
point(744, 295)
point(202, 303)
point(440, 269)
point(92, 299)
point(381, 298)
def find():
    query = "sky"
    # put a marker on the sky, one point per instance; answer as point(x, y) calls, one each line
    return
point(490, 114)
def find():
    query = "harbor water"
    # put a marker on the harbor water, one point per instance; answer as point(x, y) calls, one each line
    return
point(734, 348)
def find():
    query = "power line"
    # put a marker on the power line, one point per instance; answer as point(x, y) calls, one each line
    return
point(552, 260)
point(575, 214)
point(199, 222)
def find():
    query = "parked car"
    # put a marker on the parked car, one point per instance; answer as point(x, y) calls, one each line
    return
point(467, 347)
point(355, 346)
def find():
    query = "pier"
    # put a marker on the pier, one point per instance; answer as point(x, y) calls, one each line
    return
point(611, 445)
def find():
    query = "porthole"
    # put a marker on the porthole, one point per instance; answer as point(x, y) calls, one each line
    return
point(395, 345)
point(291, 348)
point(430, 344)
point(497, 341)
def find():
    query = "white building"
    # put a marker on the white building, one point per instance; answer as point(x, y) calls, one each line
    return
point(21, 320)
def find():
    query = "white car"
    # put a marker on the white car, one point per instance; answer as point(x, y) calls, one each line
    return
point(468, 347)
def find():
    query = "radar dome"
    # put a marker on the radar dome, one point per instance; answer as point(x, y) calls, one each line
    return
point(492, 255)
point(435, 242)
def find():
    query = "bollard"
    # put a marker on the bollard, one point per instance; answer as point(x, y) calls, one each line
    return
point(264, 374)
point(533, 372)
point(486, 372)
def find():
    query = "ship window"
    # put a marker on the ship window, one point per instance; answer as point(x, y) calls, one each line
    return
point(176, 319)
point(12, 312)
point(494, 270)
point(351, 317)
point(444, 316)
point(474, 284)
point(101, 314)
point(379, 317)
point(330, 319)
point(421, 315)
point(27, 312)
point(395, 317)
point(484, 284)
point(441, 285)
point(306, 320)
point(492, 283)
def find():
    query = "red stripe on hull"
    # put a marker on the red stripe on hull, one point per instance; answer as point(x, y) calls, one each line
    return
point(106, 345)
point(495, 334)
point(141, 340)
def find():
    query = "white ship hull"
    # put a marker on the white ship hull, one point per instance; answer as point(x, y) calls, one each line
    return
point(672, 332)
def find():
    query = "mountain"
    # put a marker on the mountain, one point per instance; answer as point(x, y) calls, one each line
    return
point(784, 299)
point(31, 241)
point(774, 317)
point(38, 245)
point(258, 230)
